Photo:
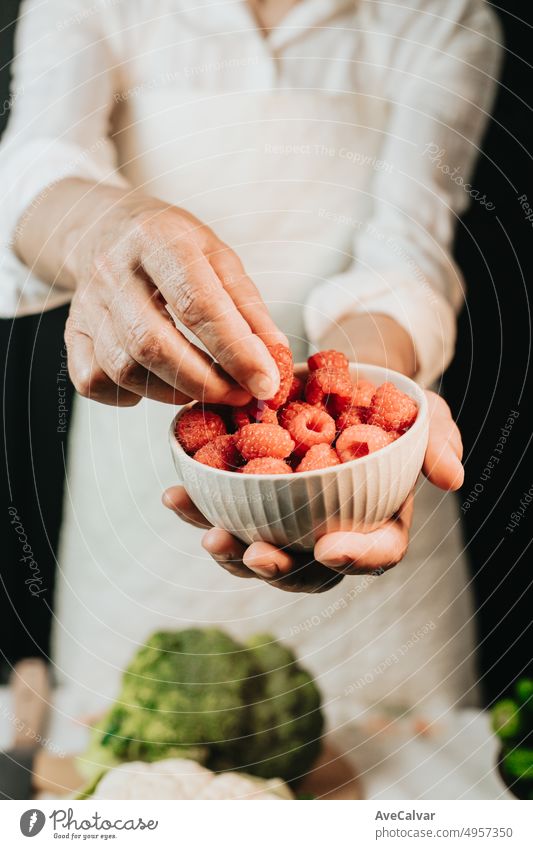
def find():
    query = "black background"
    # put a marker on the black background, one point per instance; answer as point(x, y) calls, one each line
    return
point(489, 378)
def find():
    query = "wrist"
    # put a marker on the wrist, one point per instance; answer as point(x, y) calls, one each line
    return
point(376, 339)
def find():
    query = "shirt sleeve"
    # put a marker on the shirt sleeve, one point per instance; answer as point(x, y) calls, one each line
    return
point(441, 83)
point(61, 99)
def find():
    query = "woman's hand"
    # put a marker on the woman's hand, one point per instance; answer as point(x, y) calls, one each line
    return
point(128, 257)
point(335, 554)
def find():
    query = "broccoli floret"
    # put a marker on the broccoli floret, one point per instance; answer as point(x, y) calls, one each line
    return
point(286, 720)
point(506, 719)
point(524, 693)
point(183, 690)
point(512, 720)
point(519, 763)
point(200, 694)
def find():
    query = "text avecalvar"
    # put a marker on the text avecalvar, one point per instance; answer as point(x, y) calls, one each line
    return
point(404, 815)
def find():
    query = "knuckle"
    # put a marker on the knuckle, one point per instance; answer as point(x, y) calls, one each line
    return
point(90, 382)
point(102, 266)
point(191, 303)
point(122, 369)
point(145, 227)
point(70, 330)
point(145, 345)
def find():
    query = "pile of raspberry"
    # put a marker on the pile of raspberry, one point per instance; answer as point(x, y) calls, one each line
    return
point(313, 423)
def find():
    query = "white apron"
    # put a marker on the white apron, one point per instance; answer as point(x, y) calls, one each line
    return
point(127, 565)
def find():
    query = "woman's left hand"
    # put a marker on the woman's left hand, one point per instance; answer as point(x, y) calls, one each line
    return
point(341, 553)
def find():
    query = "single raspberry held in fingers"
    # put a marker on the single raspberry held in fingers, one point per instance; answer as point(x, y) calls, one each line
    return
point(296, 392)
point(392, 409)
point(289, 411)
point(311, 427)
point(329, 387)
point(198, 426)
point(332, 360)
point(263, 440)
point(360, 440)
point(266, 466)
point(350, 417)
point(221, 453)
point(283, 359)
point(318, 457)
point(254, 411)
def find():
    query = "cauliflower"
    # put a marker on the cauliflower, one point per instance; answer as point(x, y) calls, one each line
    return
point(201, 695)
point(177, 778)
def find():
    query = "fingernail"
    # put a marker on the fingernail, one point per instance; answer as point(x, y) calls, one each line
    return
point(263, 386)
point(459, 476)
point(335, 562)
point(225, 558)
point(269, 571)
point(167, 502)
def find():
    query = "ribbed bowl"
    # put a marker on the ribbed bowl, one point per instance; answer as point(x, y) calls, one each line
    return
point(296, 510)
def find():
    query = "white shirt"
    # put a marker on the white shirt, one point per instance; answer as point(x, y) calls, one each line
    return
point(312, 151)
point(306, 152)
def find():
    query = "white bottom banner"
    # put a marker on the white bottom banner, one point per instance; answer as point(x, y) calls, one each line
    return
point(256, 824)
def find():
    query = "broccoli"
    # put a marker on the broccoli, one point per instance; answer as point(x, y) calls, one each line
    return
point(506, 719)
point(286, 719)
point(200, 694)
point(512, 720)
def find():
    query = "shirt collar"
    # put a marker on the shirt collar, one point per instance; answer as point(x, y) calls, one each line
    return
point(223, 15)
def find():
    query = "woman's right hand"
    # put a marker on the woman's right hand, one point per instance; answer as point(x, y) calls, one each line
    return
point(141, 256)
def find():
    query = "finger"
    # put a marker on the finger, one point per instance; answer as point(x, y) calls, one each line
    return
point(227, 551)
point(148, 335)
point(189, 284)
point(244, 294)
point(360, 553)
point(314, 578)
point(289, 571)
point(269, 562)
point(442, 463)
point(125, 371)
point(175, 498)
point(88, 377)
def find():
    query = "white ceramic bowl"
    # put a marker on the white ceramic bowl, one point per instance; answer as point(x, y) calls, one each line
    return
point(295, 510)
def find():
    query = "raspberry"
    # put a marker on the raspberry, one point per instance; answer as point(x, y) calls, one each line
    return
point(198, 426)
point(391, 409)
point(311, 427)
point(254, 411)
point(266, 466)
point(332, 360)
point(221, 453)
point(318, 457)
point(360, 440)
point(263, 440)
point(330, 387)
point(296, 392)
point(350, 417)
point(291, 410)
point(363, 393)
point(283, 359)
